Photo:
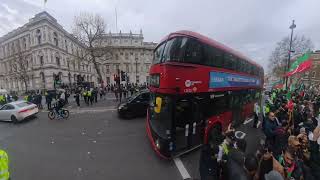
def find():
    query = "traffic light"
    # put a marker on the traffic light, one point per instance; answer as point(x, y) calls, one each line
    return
point(123, 76)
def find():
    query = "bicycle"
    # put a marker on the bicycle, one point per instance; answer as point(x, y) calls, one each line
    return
point(63, 112)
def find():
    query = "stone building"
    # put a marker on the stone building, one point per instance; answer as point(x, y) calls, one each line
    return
point(130, 54)
point(49, 50)
point(312, 76)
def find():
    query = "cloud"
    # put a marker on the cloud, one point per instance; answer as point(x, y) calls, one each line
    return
point(9, 10)
point(249, 26)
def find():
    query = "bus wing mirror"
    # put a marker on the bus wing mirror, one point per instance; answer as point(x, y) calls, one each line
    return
point(157, 107)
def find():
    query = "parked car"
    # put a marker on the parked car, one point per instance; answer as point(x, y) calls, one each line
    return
point(135, 105)
point(17, 111)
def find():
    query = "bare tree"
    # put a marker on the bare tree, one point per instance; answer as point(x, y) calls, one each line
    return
point(279, 56)
point(89, 30)
point(19, 67)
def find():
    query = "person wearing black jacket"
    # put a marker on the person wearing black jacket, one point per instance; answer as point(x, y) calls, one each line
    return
point(241, 167)
point(314, 160)
point(269, 129)
point(77, 98)
point(48, 100)
point(208, 165)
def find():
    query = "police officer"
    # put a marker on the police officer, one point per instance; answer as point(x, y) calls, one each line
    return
point(90, 97)
point(85, 96)
point(4, 166)
point(256, 111)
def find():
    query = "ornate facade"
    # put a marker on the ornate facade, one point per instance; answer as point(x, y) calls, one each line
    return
point(49, 50)
point(130, 54)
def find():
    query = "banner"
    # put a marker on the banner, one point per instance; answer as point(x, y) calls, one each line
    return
point(222, 79)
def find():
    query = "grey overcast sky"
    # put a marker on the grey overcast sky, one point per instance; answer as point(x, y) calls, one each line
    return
point(252, 27)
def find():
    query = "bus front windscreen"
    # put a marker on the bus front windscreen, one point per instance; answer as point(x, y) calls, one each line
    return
point(161, 114)
point(180, 49)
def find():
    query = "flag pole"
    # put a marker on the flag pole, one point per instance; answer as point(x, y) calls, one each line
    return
point(116, 18)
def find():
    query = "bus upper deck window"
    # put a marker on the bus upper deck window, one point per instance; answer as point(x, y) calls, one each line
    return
point(157, 108)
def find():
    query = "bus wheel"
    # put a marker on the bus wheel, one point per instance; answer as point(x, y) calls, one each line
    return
point(215, 136)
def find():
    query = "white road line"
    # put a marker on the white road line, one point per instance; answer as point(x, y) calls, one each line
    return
point(247, 121)
point(183, 171)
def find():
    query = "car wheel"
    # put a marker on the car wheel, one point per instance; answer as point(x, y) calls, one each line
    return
point(14, 119)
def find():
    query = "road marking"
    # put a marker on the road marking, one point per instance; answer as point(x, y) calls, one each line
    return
point(240, 134)
point(247, 121)
point(183, 171)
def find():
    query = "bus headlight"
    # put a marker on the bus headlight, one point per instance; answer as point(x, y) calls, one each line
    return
point(157, 143)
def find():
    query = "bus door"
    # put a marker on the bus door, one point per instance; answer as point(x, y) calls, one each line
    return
point(236, 109)
point(183, 123)
point(196, 125)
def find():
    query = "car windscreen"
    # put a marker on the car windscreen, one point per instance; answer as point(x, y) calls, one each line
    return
point(23, 104)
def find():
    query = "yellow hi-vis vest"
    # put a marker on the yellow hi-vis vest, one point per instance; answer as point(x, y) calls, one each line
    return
point(25, 98)
point(4, 165)
point(225, 148)
point(89, 93)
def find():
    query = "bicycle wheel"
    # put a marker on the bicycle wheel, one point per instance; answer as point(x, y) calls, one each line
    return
point(65, 113)
point(51, 115)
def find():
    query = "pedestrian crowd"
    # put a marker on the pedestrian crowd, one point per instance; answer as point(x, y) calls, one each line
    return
point(290, 150)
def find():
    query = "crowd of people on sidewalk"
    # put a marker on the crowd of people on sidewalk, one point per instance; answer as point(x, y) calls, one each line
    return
point(88, 94)
point(289, 151)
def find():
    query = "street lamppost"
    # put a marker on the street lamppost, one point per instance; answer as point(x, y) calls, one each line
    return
point(136, 70)
point(289, 56)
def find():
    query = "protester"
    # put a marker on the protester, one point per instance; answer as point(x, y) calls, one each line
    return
point(77, 97)
point(270, 126)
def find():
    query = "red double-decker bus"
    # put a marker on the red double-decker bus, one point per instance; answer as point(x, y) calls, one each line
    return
point(198, 86)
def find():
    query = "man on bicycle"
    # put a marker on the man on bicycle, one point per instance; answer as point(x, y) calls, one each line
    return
point(60, 102)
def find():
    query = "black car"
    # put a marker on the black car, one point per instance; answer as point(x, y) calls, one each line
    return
point(135, 106)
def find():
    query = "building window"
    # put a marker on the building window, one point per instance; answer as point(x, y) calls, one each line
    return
point(41, 60)
point(55, 38)
point(68, 64)
point(117, 57)
point(58, 61)
point(117, 67)
point(142, 54)
point(108, 80)
point(147, 67)
point(66, 44)
point(42, 77)
point(24, 43)
point(107, 68)
point(127, 68)
point(313, 74)
point(39, 36)
point(121, 53)
point(131, 53)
